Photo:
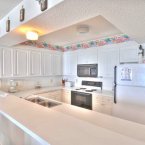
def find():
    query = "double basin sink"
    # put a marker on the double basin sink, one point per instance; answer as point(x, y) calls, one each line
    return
point(43, 101)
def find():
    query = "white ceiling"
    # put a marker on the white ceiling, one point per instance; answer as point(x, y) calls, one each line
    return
point(7, 5)
point(128, 16)
point(98, 27)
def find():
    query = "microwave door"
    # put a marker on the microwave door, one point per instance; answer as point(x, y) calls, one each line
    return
point(83, 71)
point(86, 72)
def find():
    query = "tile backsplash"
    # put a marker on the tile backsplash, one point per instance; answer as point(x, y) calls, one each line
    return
point(31, 83)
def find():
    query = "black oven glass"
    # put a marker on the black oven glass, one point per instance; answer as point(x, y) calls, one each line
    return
point(80, 99)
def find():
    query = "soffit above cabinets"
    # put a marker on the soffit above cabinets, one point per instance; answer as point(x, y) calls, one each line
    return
point(7, 5)
point(98, 26)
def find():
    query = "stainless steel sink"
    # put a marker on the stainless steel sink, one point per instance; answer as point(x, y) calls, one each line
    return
point(35, 100)
point(44, 102)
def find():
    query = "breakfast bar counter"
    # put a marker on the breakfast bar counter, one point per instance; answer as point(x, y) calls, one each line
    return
point(59, 127)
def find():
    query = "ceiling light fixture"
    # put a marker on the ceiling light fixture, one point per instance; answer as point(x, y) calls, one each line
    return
point(32, 35)
point(82, 29)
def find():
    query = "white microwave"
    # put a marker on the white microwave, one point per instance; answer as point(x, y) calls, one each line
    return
point(87, 70)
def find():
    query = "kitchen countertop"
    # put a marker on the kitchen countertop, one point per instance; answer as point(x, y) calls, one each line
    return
point(98, 92)
point(27, 93)
point(60, 128)
point(115, 124)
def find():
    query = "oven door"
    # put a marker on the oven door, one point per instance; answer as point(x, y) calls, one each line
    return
point(80, 99)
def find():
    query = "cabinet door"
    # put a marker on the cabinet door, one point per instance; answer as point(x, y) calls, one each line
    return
point(129, 54)
point(66, 97)
point(7, 65)
point(82, 56)
point(103, 104)
point(57, 64)
point(35, 63)
point(88, 56)
point(21, 63)
point(66, 63)
point(47, 63)
point(73, 63)
point(108, 58)
point(1, 50)
point(70, 63)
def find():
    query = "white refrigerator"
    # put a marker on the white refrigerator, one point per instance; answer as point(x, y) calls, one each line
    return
point(129, 92)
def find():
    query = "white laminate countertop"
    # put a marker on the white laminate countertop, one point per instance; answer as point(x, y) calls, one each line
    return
point(60, 128)
point(27, 93)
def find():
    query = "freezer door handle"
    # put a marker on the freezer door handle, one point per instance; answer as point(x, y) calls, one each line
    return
point(115, 96)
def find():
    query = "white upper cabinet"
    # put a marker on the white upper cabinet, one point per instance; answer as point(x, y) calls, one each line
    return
point(108, 58)
point(66, 63)
point(29, 62)
point(7, 62)
point(52, 63)
point(129, 54)
point(70, 63)
point(1, 56)
point(57, 63)
point(88, 56)
point(35, 63)
point(73, 63)
point(47, 63)
point(20, 63)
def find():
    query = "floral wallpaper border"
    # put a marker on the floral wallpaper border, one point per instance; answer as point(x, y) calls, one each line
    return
point(94, 43)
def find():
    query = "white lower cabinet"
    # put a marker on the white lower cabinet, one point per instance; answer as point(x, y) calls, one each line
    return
point(21, 63)
point(7, 62)
point(66, 96)
point(103, 104)
point(35, 63)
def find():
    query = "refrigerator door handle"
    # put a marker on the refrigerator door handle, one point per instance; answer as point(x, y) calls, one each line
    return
point(115, 96)
point(115, 84)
